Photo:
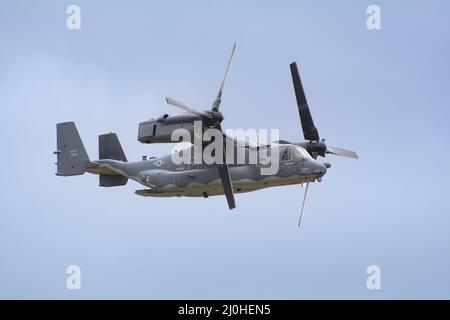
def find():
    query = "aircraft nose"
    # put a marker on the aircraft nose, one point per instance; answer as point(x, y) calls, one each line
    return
point(319, 169)
point(314, 167)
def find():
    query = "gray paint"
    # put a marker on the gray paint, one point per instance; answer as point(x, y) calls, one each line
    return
point(72, 156)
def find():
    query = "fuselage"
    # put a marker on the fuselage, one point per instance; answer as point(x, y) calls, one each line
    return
point(164, 178)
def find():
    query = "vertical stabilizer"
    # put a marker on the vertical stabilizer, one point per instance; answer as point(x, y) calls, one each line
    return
point(72, 156)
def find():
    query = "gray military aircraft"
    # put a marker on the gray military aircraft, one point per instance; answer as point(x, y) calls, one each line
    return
point(162, 177)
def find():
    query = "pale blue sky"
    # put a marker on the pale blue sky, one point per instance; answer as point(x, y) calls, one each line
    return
point(382, 93)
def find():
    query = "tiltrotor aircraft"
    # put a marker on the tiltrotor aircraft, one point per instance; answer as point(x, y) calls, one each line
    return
point(298, 162)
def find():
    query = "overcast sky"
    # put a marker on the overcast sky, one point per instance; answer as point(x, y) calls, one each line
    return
point(384, 93)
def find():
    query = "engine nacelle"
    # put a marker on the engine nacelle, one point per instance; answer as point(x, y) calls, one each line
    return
point(160, 130)
point(316, 147)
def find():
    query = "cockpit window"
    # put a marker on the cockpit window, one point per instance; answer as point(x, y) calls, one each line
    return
point(301, 153)
point(286, 153)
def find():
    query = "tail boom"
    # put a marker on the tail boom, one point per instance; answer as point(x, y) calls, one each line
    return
point(73, 159)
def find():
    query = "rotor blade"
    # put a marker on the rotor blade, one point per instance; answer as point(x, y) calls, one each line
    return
point(224, 173)
point(303, 204)
point(342, 152)
point(216, 104)
point(309, 130)
point(183, 106)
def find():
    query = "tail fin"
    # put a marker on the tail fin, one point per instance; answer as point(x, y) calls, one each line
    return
point(72, 156)
point(109, 148)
